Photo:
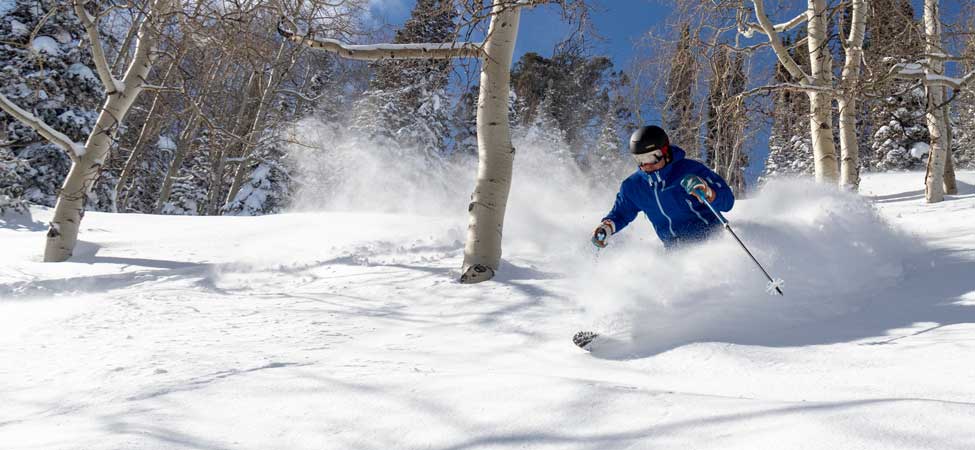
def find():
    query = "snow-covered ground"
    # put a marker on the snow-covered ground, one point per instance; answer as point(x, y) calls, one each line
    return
point(348, 330)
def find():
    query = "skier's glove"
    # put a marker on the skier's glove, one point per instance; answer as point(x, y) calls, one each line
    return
point(600, 236)
point(695, 185)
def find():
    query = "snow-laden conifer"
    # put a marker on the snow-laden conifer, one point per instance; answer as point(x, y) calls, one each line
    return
point(47, 71)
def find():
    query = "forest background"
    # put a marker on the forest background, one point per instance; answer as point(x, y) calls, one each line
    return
point(228, 129)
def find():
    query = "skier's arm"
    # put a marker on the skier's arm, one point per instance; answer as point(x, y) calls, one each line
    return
point(624, 211)
point(724, 199)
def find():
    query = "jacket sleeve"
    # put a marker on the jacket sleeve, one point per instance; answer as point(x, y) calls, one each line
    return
point(724, 199)
point(624, 211)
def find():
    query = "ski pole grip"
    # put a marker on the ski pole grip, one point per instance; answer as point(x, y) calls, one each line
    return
point(703, 196)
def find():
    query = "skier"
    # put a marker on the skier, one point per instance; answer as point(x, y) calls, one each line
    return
point(667, 187)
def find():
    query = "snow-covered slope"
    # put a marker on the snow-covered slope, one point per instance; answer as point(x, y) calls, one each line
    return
point(347, 330)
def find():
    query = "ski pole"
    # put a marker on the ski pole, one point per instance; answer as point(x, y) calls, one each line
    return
point(776, 285)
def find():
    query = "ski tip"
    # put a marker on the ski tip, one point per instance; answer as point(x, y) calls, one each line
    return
point(584, 339)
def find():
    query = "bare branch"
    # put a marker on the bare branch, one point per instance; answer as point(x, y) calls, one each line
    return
point(74, 149)
point(167, 89)
point(112, 86)
point(780, 28)
point(300, 95)
point(780, 51)
point(376, 52)
point(916, 71)
point(790, 87)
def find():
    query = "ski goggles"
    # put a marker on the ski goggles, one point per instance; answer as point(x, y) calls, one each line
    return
point(649, 157)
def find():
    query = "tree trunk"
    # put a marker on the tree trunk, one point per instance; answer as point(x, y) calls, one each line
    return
point(482, 254)
point(264, 98)
point(150, 127)
point(70, 208)
point(934, 181)
point(951, 185)
point(849, 142)
point(219, 154)
point(820, 104)
point(183, 148)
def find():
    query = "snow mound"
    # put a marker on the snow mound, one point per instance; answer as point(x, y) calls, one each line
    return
point(46, 44)
point(832, 249)
point(920, 150)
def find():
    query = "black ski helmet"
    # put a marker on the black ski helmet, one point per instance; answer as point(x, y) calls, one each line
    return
point(649, 138)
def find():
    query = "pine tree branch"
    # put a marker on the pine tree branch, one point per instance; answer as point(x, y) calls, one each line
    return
point(112, 85)
point(376, 52)
point(74, 149)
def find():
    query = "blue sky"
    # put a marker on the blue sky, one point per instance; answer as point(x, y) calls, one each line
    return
point(620, 23)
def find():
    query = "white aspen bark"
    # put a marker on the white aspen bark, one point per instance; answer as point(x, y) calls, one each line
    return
point(816, 85)
point(69, 210)
point(849, 146)
point(934, 180)
point(778, 47)
point(847, 103)
point(97, 52)
point(74, 149)
point(820, 104)
point(482, 253)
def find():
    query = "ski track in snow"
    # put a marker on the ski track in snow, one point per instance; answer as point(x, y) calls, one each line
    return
point(269, 332)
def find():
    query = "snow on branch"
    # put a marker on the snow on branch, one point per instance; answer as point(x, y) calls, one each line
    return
point(916, 71)
point(74, 149)
point(375, 52)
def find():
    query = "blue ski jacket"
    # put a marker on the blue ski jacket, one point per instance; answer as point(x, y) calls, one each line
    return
point(676, 215)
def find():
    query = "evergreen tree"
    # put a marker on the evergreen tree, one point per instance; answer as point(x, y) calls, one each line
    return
point(268, 188)
point(14, 174)
point(897, 127)
point(464, 124)
point(50, 76)
point(544, 131)
point(607, 164)
point(576, 86)
point(679, 110)
point(407, 100)
point(189, 191)
point(790, 146)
